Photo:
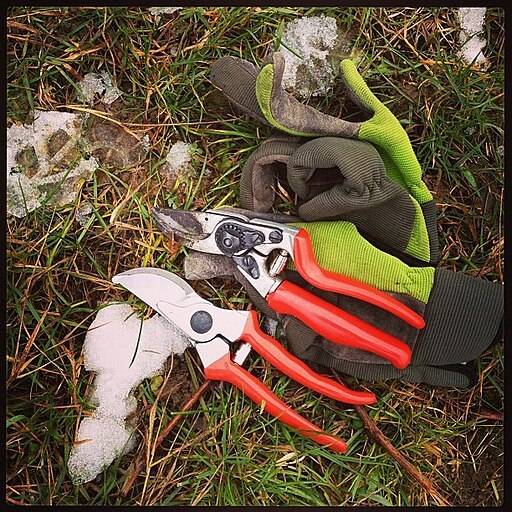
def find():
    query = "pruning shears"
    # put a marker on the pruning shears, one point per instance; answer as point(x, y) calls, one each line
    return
point(224, 338)
point(261, 249)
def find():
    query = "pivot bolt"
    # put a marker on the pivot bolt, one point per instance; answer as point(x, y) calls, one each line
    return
point(275, 236)
point(201, 322)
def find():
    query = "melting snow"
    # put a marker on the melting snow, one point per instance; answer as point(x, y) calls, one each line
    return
point(101, 84)
point(178, 163)
point(178, 156)
point(44, 164)
point(83, 214)
point(158, 11)
point(471, 24)
point(312, 39)
point(122, 351)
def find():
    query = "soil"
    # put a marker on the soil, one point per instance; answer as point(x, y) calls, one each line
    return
point(472, 480)
point(179, 386)
point(112, 145)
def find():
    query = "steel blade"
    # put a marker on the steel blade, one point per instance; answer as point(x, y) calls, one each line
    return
point(174, 299)
point(153, 285)
point(195, 230)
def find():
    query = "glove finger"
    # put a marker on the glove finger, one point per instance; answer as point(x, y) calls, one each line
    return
point(262, 169)
point(236, 78)
point(287, 114)
point(385, 131)
point(357, 167)
point(460, 375)
point(338, 179)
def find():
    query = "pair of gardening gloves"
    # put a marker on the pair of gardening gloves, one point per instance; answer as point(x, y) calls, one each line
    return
point(370, 216)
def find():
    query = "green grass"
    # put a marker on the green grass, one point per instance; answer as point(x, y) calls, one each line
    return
point(223, 451)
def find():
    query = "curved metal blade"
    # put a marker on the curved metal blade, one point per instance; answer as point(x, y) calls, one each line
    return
point(153, 285)
point(193, 229)
point(174, 299)
point(184, 225)
point(191, 225)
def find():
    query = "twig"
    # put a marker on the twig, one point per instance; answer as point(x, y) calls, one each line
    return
point(380, 438)
point(414, 473)
point(142, 463)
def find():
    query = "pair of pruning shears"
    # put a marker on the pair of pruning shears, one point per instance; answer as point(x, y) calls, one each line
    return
point(261, 249)
point(224, 338)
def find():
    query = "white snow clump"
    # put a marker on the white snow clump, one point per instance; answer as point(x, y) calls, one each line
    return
point(44, 163)
point(178, 156)
point(158, 11)
point(178, 163)
point(101, 84)
point(313, 38)
point(122, 351)
point(471, 22)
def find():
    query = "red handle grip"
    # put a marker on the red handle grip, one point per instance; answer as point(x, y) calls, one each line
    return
point(308, 268)
point(337, 325)
point(272, 351)
point(224, 369)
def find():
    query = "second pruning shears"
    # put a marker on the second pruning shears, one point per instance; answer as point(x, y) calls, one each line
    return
point(261, 248)
point(224, 338)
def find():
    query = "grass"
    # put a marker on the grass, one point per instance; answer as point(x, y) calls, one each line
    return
point(223, 452)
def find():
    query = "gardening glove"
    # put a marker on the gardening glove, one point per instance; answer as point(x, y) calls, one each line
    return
point(463, 314)
point(337, 179)
point(260, 94)
point(458, 327)
point(441, 350)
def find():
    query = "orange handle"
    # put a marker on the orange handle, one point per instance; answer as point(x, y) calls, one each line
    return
point(224, 369)
point(304, 260)
point(337, 325)
point(273, 352)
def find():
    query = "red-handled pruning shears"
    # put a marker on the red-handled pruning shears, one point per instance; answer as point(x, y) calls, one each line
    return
point(224, 338)
point(251, 242)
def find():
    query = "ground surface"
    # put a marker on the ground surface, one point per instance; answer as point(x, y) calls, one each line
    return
point(222, 451)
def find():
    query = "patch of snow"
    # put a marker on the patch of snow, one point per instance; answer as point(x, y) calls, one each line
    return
point(472, 43)
point(158, 11)
point(163, 10)
point(312, 38)
point(145, 142)
point(101, 84)
point(178, 156)
point(103, 440)
point(83, 214)
point(178, 165)
point(44, 164)
point(123, 351)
